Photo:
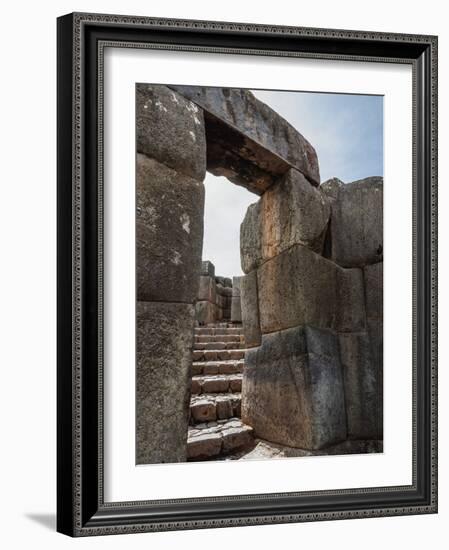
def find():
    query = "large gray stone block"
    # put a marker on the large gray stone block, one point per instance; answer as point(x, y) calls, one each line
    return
point(236, 309)
point(244, 132)
point(251, 238)
point(170, 129)
point(164, 342)
point(205, 312)
point(169, 233)
point(293, 391)
point(207, 289)
point(351, 314)
point(361, 379)
point(356, 228)
point(373, 275)
point(375, 331)
point(300, 287)
point(208, 268)
point(236, 286)
point(250, 310)
point(290, 212)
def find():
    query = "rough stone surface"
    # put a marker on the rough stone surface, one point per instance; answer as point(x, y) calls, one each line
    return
point(207, 289)
point(299, 287)
point(290, 212)
point(356, 228)
point(251, 238)
point(213, 440)
point(205, 312)
point(203, 409)
point(170, 129)
point(373, 275)
point(204, 445)
point(248, 142)
point(208, 269)
point(293, 390)
point(169, 233)
point(236, 309)
point(350, 299)
point(163, 358)
point(236, 438)
point(236, 286)
point(361, 379)
point(250, 310)
point(267, 450)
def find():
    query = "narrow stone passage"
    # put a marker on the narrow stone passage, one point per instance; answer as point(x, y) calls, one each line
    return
point(215, 429)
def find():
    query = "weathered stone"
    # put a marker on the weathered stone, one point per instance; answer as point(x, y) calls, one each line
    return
point(211, 368)
point(215, 385)
point(170, 129)
point(205, 312)
point(235, 384)
point(236, 310)
point(203, 410)
point(195, 386)
point(204, 445)
point(228, 282)
point(293, 391)
point(169, 233)
point(361, 379)
point(356, 228)
point(237, 438)
point(210, 355)
point(299, 287)
point(163, 361)
point(251, 238)
point(208, 269)
point(290, 212)
point(207, 289)
point(236, 286)
point(250, 309)
point(351, 316)
point(247, 141)
point(220, 282)
point(373, 275)
point(375, 331)
point(224, 408)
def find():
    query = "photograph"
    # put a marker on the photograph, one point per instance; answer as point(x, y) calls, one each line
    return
point(259, 273)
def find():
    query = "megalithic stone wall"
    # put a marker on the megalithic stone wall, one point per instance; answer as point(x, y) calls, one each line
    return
point(310, 285)
point(171, 165)
point(215, 297)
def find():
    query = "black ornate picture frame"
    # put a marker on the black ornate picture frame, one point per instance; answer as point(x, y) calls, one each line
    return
point(81, 509)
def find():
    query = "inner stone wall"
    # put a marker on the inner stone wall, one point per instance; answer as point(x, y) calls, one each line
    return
point(312, 312)
point(218, 297)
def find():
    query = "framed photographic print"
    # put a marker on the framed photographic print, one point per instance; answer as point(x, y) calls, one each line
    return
point(247, 281)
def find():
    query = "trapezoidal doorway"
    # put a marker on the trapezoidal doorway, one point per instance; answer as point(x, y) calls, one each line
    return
point(285, 360)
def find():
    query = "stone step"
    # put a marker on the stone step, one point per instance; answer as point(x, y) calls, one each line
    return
point(217, 383)
point(222, 437)
point(217, 367)
point(207, 338)
point(218, 345)
point(218, 355)
point(212, 331)
point(210, 406)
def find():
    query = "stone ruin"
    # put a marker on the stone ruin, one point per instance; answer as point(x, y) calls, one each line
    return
point(311, 297)
point(218, 297)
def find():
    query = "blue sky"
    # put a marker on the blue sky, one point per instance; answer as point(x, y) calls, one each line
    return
point(347, 133)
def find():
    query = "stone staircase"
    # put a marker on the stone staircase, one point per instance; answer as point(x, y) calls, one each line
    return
point(215, 429)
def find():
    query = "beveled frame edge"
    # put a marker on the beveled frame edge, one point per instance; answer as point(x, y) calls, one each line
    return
point(81, 511)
